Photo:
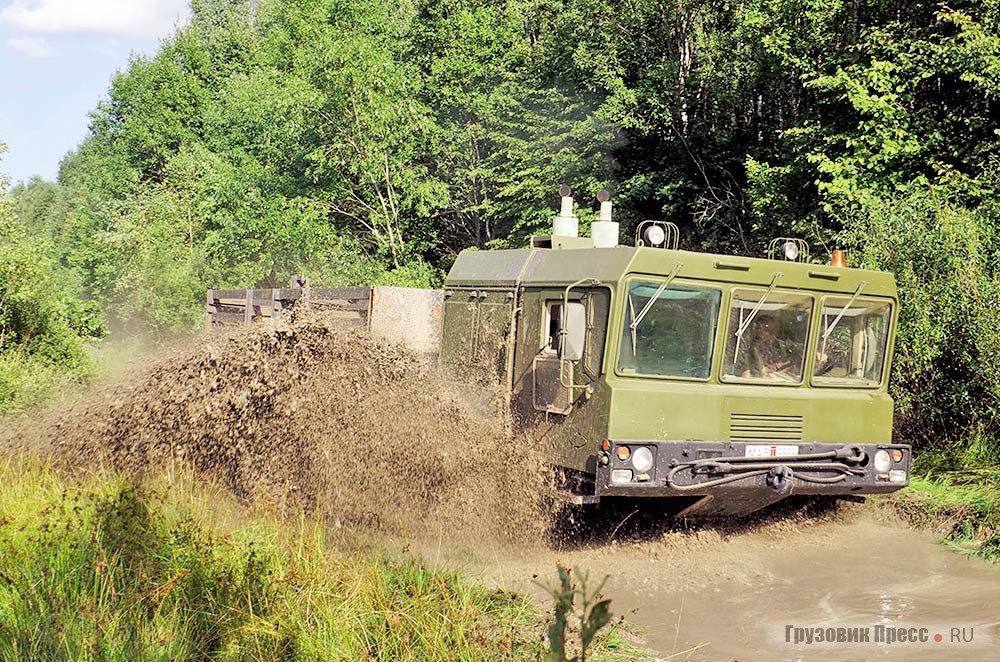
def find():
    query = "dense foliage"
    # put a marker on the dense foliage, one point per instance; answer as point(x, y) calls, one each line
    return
point(43, 324)
point(359, 141)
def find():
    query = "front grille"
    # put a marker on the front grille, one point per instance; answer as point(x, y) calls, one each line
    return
point(765, 427)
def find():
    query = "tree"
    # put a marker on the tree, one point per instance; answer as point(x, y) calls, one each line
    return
point(43, 326)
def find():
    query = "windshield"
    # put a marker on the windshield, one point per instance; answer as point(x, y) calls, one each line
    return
point(675, 336)
point(772, 345)
point(852, 342)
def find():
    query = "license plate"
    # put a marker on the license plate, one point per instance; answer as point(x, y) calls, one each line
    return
point(766, 450)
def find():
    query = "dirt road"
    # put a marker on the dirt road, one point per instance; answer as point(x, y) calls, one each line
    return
point(709, 594)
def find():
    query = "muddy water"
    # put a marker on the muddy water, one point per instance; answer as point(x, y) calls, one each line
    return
point(709, 595)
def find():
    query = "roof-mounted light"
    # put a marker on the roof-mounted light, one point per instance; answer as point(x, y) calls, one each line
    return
point(788, 249)
point(657, 234)
point(654, 235)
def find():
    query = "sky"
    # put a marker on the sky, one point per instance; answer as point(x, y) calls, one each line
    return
point(57, 59)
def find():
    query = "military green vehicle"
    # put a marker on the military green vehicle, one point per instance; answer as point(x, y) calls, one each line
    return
point(724, 383)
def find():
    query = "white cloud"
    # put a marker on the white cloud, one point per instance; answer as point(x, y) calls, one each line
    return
point(30, 46)
point(124, 17)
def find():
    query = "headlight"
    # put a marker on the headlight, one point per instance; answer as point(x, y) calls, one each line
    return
point(642, 459)
point(790, 250)
point(882, 461)
point(654, 235)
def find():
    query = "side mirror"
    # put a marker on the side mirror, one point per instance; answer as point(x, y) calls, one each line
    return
point(573, 332)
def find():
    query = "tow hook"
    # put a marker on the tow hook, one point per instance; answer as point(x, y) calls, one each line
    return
point(851, 454)
point(778, 477)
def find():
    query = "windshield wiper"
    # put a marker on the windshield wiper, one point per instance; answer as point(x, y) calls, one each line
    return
point(637, 319)
point(836, 321)
point(631, 326)
point(745, 323)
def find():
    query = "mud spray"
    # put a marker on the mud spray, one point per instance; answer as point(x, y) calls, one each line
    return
point(306, 415)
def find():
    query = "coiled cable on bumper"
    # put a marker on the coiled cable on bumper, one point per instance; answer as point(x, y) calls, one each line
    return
point(778, 471)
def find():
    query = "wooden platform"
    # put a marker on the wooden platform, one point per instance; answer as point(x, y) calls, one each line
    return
point(229, 308)
point(411, 316)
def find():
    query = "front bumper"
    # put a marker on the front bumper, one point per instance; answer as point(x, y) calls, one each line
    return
point(738, 477)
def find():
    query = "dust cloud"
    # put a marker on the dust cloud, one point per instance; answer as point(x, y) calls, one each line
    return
point(305, 415)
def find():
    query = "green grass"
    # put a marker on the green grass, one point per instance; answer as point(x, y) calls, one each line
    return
point(956, 492)
point(104, 568)
point(27, 381)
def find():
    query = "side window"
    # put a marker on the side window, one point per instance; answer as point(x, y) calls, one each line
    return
point(572, 321)
point(552, 326)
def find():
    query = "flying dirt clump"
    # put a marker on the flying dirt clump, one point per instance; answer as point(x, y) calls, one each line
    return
point(304, 414)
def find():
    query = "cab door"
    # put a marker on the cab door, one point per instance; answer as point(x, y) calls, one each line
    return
point(570, 347)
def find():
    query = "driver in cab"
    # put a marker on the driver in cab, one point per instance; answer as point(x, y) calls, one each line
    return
point(771, 356)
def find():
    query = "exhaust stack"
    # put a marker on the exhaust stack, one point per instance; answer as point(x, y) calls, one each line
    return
point(604, 231)
point(566, 224)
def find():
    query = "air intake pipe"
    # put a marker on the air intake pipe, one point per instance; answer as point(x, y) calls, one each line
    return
point(604, 231)
point(566, 224)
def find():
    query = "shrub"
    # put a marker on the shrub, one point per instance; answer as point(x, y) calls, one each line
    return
point(946, 370)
